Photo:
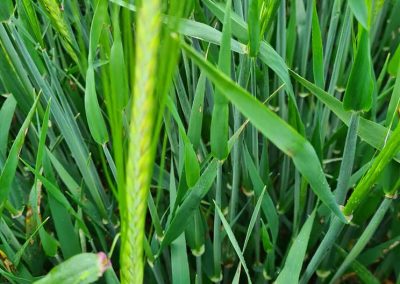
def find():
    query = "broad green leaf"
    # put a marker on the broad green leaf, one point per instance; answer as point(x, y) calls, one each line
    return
point(295, 258)
point(358, 95)
point(275, 129)
point(83, 268)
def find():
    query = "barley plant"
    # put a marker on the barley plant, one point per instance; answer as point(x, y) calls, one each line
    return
point(199, 141)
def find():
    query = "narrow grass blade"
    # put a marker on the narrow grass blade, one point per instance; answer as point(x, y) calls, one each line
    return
point(294, 260)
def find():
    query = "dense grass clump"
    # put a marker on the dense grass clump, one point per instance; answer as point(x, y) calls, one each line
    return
point(199, 141)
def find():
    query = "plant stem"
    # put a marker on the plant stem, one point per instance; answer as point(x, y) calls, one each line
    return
point(140, 160)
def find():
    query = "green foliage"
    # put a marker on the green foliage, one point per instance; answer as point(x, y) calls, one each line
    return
point(199, 141)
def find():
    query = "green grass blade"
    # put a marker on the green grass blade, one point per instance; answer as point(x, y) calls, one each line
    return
point(83, 268)
point(6, 115)
point(275, 129)
point(8, 171)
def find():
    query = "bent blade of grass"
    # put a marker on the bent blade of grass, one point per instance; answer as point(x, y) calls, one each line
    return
point(371, 132)
point(274, 128)
point(10, 166)
point(295, 258)
point(233, 241)
point(360, 11)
